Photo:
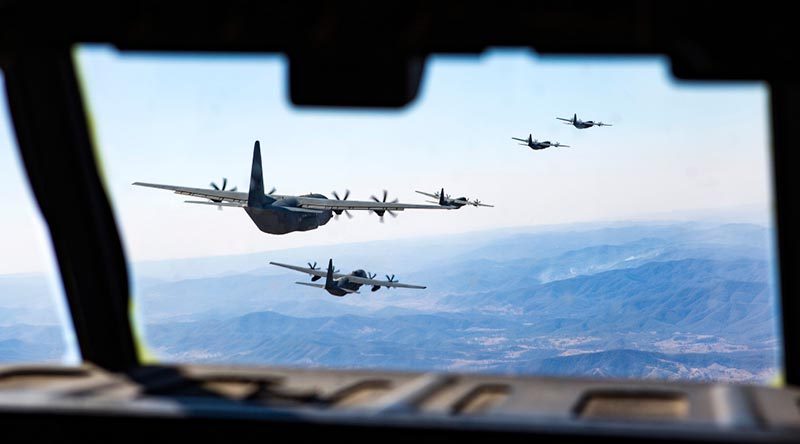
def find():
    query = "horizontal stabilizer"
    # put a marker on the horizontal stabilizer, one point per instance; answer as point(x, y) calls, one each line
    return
point(301, 210)
point(218, 204)
point(309, 284)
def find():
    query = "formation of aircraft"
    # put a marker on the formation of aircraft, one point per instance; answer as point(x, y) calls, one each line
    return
point(537, 145)
point(280, 214)
point(582, 124)
point(574, 121)
point(339, 284)
point(445, 200)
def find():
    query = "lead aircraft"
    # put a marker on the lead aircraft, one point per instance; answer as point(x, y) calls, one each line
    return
point(280, 214)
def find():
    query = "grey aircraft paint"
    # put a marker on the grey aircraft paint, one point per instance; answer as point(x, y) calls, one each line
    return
point(278, 216)
point(339, 284)
point(534, 144)
point(582, 124)
point(281, 214)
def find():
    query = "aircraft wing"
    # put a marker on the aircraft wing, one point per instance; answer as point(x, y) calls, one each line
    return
point(521, 140)
point(315, 203)
point(225, 196)
point(311, 271)
point(565, 120)
point(365, 281)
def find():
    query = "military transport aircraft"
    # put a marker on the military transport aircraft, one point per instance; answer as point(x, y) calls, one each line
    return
point(581, 124)
point(446, 200)
point(279, 214)
point(339, 284)
point(536, 145)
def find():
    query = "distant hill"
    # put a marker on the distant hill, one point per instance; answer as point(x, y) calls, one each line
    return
point(703, 296)
point(649, 365)
point(689, 300)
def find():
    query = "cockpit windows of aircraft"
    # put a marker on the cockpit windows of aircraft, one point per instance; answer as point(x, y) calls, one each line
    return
point(524, 215)
point(35, 326)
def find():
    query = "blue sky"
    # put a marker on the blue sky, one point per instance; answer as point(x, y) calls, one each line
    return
point(674, 148)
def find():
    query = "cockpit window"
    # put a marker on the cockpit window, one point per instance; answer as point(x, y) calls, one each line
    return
point(543, 216)
point(34, 322)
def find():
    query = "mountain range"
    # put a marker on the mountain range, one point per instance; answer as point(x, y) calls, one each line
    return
point(674, 300)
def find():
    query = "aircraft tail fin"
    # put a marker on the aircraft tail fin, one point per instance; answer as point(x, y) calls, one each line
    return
point(530, 138)
point(441, 197)
point(329, 276)
point(256, 197)
point(574, 117)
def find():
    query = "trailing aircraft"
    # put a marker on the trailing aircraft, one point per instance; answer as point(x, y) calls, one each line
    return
point(339, 284)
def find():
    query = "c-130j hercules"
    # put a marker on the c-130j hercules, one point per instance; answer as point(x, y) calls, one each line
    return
point(534, 144)
point(582, 124)
point(279, 214)
point(339, 284)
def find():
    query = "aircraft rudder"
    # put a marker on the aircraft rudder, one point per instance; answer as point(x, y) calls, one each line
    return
point(255, 196)
point(329, 276)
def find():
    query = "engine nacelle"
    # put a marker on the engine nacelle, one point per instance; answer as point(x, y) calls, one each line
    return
point(376, 287)
point(315, 278)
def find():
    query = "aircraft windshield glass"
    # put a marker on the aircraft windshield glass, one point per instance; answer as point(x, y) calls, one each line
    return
point(34, 321)
point(545, 216)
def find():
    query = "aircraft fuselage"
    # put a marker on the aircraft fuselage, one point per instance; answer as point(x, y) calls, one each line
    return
point(458, 202)
point(583, 125)
point(539, 145)
point(340, 285)
point(275, 217)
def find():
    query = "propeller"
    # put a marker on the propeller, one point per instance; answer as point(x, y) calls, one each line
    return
point(380, 213)
point(338, 212)
point(224, 186)
point(478, 203)
point(390, 279)
point(372, 276)
point(272, 190)
point(313, 266)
